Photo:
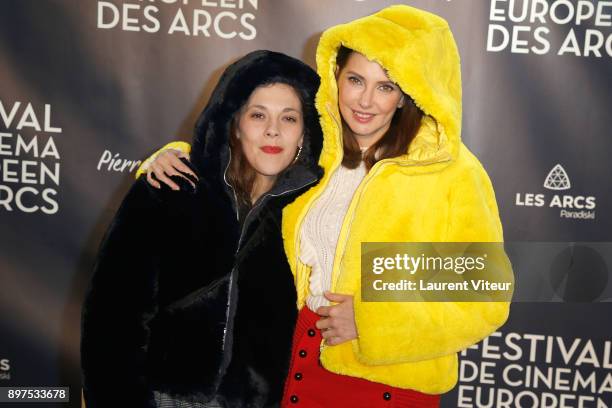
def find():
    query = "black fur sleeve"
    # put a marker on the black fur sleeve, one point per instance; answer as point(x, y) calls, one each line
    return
point(121, 303)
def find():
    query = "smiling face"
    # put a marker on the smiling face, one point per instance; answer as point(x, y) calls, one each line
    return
point(367, 98)
point(270, 130)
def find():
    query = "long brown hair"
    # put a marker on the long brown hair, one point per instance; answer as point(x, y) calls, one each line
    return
point(404, 126)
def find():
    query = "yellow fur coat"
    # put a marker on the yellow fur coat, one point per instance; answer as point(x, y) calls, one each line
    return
point(438, 191)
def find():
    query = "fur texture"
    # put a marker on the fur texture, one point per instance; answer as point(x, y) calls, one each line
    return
point(436, 192)
point(185, 299)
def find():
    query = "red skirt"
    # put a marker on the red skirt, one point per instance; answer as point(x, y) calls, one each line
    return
point(310, 385)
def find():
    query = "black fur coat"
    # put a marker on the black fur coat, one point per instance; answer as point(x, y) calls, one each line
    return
point(186, 299)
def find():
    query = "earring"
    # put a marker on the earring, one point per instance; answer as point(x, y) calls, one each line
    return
point(297, 156)
point(401, 102)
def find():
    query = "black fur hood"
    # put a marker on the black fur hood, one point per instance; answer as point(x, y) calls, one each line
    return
point(210, 150)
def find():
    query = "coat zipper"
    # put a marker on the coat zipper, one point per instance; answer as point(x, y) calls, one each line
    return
point(242, 232)
point(229, 293)
point(346, 228)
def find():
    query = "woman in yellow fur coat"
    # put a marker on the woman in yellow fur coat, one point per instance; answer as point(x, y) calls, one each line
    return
point(395, 171)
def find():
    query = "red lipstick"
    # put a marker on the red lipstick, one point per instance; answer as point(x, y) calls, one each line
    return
point(271, 149)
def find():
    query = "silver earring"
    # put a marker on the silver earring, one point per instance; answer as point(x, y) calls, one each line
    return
point(297, 156)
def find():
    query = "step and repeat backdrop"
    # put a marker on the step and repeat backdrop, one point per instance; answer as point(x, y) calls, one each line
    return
point(90, 88)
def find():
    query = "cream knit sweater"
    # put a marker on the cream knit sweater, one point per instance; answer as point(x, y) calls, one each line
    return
point(321, 228)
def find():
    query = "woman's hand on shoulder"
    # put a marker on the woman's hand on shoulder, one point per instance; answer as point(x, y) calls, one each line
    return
point(166, 164)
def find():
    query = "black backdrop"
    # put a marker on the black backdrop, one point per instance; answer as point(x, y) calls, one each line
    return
point(90, 87)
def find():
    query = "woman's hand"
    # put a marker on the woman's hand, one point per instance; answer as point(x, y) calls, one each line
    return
point(338, 321)
point(168, 163)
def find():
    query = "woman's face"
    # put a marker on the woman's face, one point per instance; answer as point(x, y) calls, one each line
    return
point(367, 98)
point(270, 129)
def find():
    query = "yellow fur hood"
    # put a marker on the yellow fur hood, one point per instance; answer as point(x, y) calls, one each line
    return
point(419, 53)
point(437, 192)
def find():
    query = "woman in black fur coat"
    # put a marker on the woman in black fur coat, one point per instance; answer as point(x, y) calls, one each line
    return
point(207, 320)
